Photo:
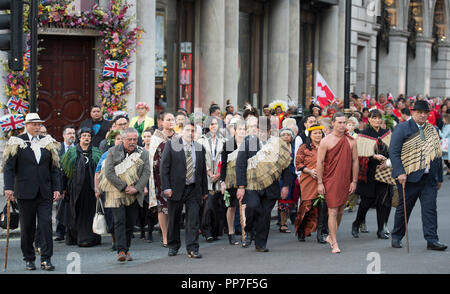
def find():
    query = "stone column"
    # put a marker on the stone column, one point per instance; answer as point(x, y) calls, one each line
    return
point(212, 53)
point(419, 68)
point(278, 57)
point(392, 66)
point(440, 72)
point(172, 54)
point(131, 97)
point(329, 48)
point(231, 51)
point(145, 55)
point(103, 3)
point(294, 49)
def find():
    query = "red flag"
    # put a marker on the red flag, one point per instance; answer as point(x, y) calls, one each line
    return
point(324, 95)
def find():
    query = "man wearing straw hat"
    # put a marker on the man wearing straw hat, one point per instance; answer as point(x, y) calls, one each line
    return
point(31, 175)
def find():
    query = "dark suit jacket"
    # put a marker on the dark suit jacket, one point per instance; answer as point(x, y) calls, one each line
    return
point(104, 128)
point(248, 149)
point(173, 169)
point(402, 132)
point(26, 177)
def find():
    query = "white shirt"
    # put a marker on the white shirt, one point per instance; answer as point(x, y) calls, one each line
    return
point(35, 147)
point(66, 147)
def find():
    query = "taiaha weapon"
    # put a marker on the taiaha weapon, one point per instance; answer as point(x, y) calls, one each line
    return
point(406, 218)
point(8, 219)
point(241, 217)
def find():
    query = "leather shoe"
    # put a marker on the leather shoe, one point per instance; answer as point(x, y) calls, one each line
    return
point(194, 254)
point(173, 251)
point(59, 239)
point(321, 238)
point(436, 246)
point(301, 236)
point(382, 235)
point(355, 230)
point(261, 249)
point(29, 266)
point(47, 265)
point(396, 243)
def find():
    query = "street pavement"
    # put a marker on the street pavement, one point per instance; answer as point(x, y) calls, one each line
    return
point(287, 256)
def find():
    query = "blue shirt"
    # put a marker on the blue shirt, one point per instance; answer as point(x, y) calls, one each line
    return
point(99, 165)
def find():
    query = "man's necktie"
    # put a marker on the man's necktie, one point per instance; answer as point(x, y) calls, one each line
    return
point(189, 167)
point(422, 135)
point(36, 148)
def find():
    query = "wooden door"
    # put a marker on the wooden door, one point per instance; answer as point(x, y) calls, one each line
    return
point(66, 94)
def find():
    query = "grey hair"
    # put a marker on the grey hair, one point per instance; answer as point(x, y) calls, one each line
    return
point(129, 131)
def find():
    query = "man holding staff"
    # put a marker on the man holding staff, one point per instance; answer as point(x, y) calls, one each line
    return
point(415, 154)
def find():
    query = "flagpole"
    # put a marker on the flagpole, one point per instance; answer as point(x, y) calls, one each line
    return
point(33, 48)
point(348, 27)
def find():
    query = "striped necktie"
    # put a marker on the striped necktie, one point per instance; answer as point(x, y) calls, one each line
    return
point(189, 167)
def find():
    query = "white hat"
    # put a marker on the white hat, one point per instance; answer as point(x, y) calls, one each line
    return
point(33, 118)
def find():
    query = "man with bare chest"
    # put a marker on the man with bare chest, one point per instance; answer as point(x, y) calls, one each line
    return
point(337, 173)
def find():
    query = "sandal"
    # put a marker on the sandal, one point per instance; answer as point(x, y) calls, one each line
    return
point(286, 230)
point(232, 239)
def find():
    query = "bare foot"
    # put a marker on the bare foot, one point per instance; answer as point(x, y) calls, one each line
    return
point(329, 241)
point(335, 248)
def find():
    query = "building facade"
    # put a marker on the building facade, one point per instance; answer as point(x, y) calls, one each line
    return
point(196, 52)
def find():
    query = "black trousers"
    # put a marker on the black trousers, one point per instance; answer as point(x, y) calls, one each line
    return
point(192, 226)
point(382, 201)
point(426, 191)
point(258, 214)
point(213, 215)
point(40, 208)
point(124, 220)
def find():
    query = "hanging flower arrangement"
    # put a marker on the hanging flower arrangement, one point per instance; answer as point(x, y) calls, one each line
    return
point(119, 42)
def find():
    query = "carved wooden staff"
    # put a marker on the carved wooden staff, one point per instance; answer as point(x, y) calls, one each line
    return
point(406, 218)
point(8, 219)
point(241, 217)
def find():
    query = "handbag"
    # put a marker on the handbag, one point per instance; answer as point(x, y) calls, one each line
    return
point(444, 145)
point(99, 223)
point(14, 217)
point(384, 175)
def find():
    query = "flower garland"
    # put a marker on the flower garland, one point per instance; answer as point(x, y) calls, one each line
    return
point(119, 43)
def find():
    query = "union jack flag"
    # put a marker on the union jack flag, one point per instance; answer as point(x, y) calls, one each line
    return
point(115, 69)
point(17, 104)
point(28, 54)
point(12, 122)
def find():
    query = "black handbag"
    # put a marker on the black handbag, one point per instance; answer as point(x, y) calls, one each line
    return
point(14, 217)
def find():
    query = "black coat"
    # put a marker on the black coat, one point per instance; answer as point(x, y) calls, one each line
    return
point(368, 189)
point(248, 149)
point(26, 177)
point(228, 147)
point(173, 169)
point(104, 128)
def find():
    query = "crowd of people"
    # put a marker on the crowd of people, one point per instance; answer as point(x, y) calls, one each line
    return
point(223, 173)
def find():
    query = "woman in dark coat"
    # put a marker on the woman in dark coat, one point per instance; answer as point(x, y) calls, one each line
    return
point(79, 164)
point(372, 192)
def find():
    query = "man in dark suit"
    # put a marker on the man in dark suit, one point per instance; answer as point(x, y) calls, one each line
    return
point(69, 140)
point(423, 182)
point(259, 204)
point(31, 175)
point(183, 180)
point(98, 125)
